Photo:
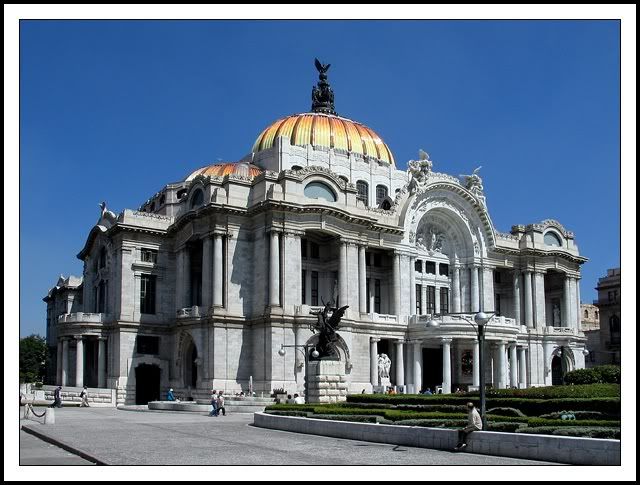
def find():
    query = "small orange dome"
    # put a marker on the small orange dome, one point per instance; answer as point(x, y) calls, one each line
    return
point(222, 169)
point(326, 130)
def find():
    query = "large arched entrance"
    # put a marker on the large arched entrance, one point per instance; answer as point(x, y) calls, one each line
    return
point(147, 383)
point(557, 374)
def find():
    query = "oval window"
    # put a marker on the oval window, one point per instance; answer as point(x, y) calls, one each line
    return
point(552, 239)
point(318, 190)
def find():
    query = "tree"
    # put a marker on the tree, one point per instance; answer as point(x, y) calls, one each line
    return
point(33, 358)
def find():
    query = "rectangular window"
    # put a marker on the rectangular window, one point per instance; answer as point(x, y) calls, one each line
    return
point(496, 277)
point(363, 192)
point(498, 311)
point(303, 247)
point(304, 287)
point(149, 255)
point(148, 294)
point(376, 298)
point(148, 345)
point(418, 299)
point(431, 300)
point(314, 288)
point(315, 250)
point(444, 269)
point(418, 266)
point(430, 267)
point(377, 259)
point(444, 301)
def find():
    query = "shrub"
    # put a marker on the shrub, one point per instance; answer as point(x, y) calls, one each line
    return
point(579, 415)
point(536, 407)
point(408, 399)
point(432, 423)
point(300, 414)
point(599, 374)
point(507, 412)
point(578, 431)
point(290, 407)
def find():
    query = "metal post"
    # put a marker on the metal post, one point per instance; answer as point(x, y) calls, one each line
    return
point(482, 390)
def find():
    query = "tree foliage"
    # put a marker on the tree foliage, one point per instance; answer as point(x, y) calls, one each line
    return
point(33, 358)
point(609, 374)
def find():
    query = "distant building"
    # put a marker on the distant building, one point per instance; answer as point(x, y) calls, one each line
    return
point(608, 304)
point(590, 325)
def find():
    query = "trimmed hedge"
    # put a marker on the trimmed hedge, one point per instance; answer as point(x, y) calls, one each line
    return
point(507, 427)
point(432, 423)
point(558, 392)
point(537, 422)
point(346, 417)
point(580, 415)
point(300, 414)
point(506, 412)
point(577, 431)
point(599, 374)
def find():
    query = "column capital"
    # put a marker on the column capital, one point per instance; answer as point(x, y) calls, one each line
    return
point(400, 341)
point(446, 340)
point(374, 340)
point(78, 337)
point(101, 337)
point(293, 233)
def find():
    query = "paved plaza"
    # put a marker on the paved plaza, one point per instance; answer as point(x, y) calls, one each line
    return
point(136, 437)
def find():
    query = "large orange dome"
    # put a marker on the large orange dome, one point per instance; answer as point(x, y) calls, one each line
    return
point(222, 169)
point(326, 130)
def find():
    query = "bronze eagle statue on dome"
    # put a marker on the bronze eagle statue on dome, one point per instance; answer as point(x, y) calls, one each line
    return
point(326, 327)
point(322, 68)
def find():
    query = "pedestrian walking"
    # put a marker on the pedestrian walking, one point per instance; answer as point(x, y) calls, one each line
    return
point(214, 404)
point(85, 398)
point(57, 398)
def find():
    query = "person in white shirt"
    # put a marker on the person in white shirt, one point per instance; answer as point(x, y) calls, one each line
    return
point(221, 404)
point(474, 424)
point(298, 399)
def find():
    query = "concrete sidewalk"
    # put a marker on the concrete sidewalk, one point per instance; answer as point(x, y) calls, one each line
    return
point(118, 437)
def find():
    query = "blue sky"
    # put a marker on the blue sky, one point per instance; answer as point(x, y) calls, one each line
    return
point(115, 110)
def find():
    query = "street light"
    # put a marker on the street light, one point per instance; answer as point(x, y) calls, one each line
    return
point(314, 353)
point(481, 319)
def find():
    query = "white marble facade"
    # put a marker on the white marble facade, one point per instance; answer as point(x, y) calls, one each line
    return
point(199, 288)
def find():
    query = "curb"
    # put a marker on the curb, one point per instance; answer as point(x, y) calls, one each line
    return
point(63, 445)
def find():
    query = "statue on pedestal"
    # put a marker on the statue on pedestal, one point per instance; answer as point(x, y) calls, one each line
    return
point(326, 327)
point(384, 366)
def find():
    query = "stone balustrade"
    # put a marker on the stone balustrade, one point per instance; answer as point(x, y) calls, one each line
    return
point(189, 312)
point(81, 317)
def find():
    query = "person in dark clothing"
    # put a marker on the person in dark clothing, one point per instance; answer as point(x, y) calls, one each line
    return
point(57, 398)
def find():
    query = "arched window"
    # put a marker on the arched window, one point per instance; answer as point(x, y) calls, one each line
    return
point(343, 178)
point(197, 198)
point(162, 199)
point(614, 329)
point(386, 205)
point(397, 190)
point(318, 190)
point(552, 239)
point(363, 191)
point(103, 257)
point(586, 314)
point(381, 193)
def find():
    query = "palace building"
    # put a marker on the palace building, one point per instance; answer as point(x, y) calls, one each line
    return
point(200, 287)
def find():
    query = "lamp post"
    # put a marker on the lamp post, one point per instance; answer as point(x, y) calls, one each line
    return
point(314, 353)
point(481, 319)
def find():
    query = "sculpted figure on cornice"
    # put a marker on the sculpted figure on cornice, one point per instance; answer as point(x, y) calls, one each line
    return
point(419, 171)
point(106, 215)
point(473, 183)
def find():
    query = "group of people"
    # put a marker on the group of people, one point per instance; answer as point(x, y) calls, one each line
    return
point(57, 398)
point(217, 404)
point(296, 399)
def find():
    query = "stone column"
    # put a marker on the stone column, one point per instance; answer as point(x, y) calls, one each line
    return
point(576, 281)
point(417, 365)
point(298, 358)
point(513, 366)
point(455, 290)
point(274, 269)
point(528, 300)
point(423, 298)
point(488, 296)
point(517, 312)
point(291, 258)
point(102, 375)
point(362, 278)
point(541, 319)
point(343, 296)
point(218, 262)
point(437, 299)
point(502, 365)
point(408, 369)
point(79, 361)
point(522, 367)
point(475, 290)
point(307, 285)
point(412, 284)
point(59, 362)
point(446, 366)
point(476, 363)
point(186, 278)
point(373, 361)
point(179, 279)
point(65, 362)
point(207, 270)
point(396, 284)
point(399, 364)
point(566, 307)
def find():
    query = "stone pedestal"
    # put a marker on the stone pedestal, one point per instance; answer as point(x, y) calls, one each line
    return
point(327, 381)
